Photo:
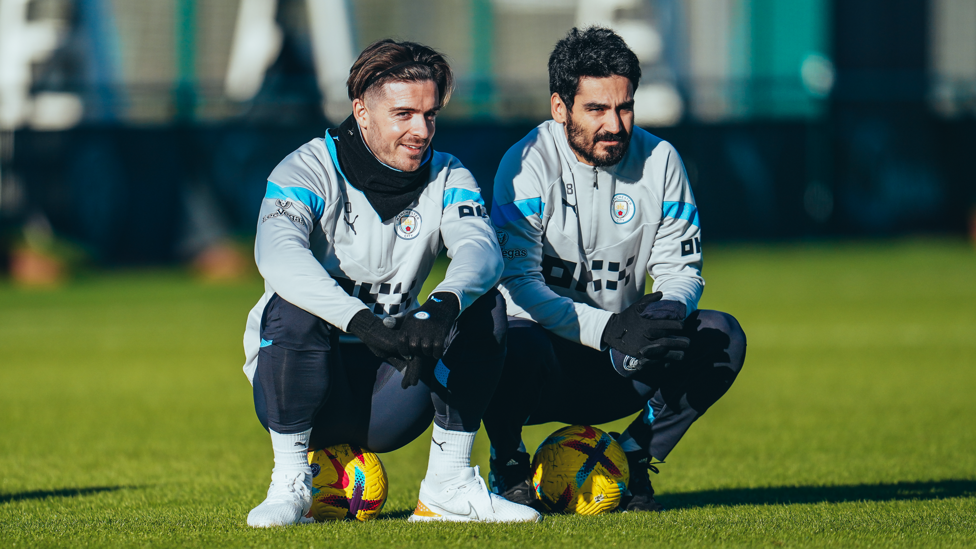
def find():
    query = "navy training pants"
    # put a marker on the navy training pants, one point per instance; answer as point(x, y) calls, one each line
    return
point(550, 379)
point(306, 378)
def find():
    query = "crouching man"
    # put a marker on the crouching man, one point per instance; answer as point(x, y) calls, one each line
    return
point(582, 206)
point(348, 231)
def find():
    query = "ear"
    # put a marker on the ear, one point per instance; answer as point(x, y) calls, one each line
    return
point(558, 108)
point(360, 113)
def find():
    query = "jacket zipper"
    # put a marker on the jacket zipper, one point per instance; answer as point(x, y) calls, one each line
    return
point(594, 208)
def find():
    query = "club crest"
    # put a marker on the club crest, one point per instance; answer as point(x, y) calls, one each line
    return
point(622, 208)
point(407, 224)
point(502, 237)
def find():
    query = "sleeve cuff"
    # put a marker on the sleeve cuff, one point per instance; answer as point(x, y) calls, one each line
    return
point(462, 306)
point(347, 318)
point(593, 336)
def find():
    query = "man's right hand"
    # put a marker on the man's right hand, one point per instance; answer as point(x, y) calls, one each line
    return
point(382, 340)
point(414, 368)
point(630, 332)
point(378, 338)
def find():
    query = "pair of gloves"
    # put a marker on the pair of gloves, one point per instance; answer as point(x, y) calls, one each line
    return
point(418, 343)
point(649, 332)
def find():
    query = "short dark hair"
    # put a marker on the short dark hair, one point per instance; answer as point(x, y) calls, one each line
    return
point(595, 51)
point(391, 61)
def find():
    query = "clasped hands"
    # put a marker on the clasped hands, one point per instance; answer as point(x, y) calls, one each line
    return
point(649, 331)
point(417, 343)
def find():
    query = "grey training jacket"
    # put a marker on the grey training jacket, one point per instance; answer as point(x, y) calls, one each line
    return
point(322, 247)
point(577, 239)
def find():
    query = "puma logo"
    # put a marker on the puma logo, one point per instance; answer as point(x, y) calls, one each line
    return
point(352, 224)
point(571, 206)
point(439, 444)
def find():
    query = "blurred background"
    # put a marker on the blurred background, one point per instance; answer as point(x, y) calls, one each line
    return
point(142, 133)
point(827, 143)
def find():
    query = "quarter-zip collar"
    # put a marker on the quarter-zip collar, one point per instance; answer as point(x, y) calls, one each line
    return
point(593, 187)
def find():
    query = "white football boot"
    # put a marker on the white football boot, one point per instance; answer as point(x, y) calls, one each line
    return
point(465, 498)
point(289, 500)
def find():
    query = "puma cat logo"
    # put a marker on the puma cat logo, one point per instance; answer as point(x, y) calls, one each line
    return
point(571, 206)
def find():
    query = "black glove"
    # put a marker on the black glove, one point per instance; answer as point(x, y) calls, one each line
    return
point(379, 339)
point(414, 369)
point(664, 309)
point(664, 350)
point(630, 331)
point(670, 347)
point(652, 361)
point(425, 330)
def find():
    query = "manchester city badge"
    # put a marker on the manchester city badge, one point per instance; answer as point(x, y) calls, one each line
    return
point(622, 208)
point(407, 224)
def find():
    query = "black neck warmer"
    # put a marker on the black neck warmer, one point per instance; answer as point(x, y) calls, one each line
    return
point(388, 191)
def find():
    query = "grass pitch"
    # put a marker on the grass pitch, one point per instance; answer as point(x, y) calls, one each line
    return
point(125, 418)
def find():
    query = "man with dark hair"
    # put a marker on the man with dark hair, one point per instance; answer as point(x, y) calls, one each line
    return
point(582, 206)
point(349, 229)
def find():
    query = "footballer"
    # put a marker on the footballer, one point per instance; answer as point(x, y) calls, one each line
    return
point(347, 233)
point(583, 205)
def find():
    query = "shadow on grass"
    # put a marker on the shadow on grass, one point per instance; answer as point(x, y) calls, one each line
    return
point(940, 489)
point(395, 515)
point(62, 493)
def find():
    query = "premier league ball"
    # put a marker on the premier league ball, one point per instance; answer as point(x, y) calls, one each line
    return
point(580, 469)
point(347, 483)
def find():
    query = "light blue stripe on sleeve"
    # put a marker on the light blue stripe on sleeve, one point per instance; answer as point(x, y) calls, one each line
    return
point(314, 202)
point(455, 195)
point(503, 214)
point(682, 210)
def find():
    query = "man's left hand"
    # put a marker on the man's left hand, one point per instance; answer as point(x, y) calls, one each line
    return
point(425, 330)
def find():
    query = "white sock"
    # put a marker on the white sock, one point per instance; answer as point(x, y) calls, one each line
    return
point(628, 443)
point(290, 451)
point(450, 455)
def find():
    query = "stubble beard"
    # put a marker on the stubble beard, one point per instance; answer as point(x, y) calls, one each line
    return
point(586, 148)
point(418, 158)
point(390, 155)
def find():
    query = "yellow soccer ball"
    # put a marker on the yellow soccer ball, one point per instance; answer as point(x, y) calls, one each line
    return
point(580, 469)
point(347, 483)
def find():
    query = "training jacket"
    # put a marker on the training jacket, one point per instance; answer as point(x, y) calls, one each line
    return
point(577, 238)
point(323, 248)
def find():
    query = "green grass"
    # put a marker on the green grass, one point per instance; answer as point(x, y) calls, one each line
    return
point(125, 418)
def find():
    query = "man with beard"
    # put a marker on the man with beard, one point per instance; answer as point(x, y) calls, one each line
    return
point(349, 229)
point(582, 205)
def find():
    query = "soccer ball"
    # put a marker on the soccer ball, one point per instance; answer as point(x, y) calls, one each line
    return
point(580, 469)
point(347, 483)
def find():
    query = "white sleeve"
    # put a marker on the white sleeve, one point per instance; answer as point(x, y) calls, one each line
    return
point(676, 260)
point(517, 214)
point(476, 259)
point(296, 200)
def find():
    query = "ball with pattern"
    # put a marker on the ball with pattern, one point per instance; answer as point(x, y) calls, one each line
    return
point(347, 483)
point(580, 469)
